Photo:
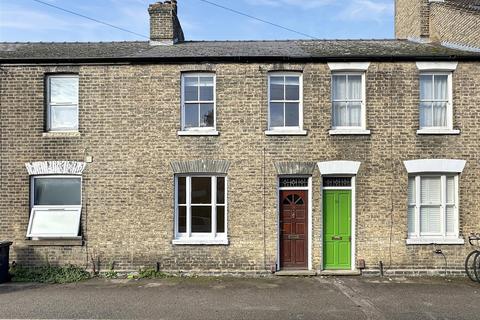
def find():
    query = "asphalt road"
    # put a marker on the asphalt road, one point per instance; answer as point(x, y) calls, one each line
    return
point(245, 298)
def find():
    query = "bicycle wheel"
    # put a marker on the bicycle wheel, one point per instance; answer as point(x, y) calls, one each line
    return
point(476, 266)
point(470, 265)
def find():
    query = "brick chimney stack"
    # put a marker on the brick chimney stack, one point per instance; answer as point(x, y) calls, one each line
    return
point(165, 28)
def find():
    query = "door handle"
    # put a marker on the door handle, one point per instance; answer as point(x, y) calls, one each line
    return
point(337, 238)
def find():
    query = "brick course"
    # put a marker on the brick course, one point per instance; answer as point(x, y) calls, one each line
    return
point(129, 118)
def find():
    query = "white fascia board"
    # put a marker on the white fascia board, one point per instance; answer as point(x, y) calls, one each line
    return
point(437, 66)
point(339, 167)
point(348, 66)
point(435, 165)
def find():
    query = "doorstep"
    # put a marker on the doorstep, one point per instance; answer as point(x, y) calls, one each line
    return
point(355, 272)
point(296, 273)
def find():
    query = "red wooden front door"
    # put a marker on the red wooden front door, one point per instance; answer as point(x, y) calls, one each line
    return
point(293, 229)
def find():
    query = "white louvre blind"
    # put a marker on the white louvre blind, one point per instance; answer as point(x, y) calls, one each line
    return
point(430, 190)
point(411, 205)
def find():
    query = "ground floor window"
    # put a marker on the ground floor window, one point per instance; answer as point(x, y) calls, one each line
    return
point(56, 203)
point(200, 208)
point(433, 206)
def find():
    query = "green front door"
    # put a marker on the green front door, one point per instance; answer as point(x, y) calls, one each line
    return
point(337, 229)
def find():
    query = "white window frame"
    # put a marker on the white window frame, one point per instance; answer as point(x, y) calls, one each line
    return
point(65, 104)
point(449, 126)
point(417, 237)
point(198, 130)
point(35, 209)
point(286, 130)
point(190, 237)
point(362, 129)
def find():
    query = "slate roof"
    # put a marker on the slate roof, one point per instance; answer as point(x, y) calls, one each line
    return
point(287, 50)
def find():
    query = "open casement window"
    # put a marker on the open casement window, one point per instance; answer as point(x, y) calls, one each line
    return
point(198, 102)
point(433, 207)
point(348, 101)
point(62, 102)
point(201, 209)
point(436, 100)
point(285, 110)
point(56, 203)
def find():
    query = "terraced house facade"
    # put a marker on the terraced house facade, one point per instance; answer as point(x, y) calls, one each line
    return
point(242, 156)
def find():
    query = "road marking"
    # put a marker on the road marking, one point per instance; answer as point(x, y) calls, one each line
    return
point(366, 306)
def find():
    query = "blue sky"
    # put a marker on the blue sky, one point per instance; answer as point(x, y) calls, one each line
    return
point(26, 20)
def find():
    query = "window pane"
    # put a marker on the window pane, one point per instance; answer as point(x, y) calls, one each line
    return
point(450, 190)
point(411, 190)
point(191, 88)
point(430, 190)
point(201, 190)
point(64, 90)
point(291, 114)
point(425, 114)
point(339, 114)
point(426, 87)
point(411, 219)
point(220, 219)
point(339, 87)
point(439, 114)
point(450, 219)
point(182, 190)
point(63, 117)
point(57, 191)
point(276, 114)
point(221, 190)
point(182, 219)
point(206, 88)
point(206, 115)
point(355, 87)
point(354, 114)
point(292, 88)
point(276, 88)
point(430, 219)
point(440, 87)
point(202, 219)
point(191, 116)
point(51, 223)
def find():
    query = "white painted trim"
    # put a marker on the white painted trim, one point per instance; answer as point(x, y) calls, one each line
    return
point(55, 167)
point(348, 66)
point(426, 241)
point(198, 133)
point(339, 131)
point(71, 104)
point(338, 167)
point(194, 241)
point(435, 165)
point(309, 190)
point(285, 132)
point(437, 66)
point(435, 131)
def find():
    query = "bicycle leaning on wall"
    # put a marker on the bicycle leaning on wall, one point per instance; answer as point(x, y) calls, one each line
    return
point(472, 262)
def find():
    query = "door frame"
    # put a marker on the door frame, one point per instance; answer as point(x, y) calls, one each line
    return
point(353, 217)
point(309, 217)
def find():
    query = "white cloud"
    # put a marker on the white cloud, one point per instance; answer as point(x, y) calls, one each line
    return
point(302, 4)
point(371, 10)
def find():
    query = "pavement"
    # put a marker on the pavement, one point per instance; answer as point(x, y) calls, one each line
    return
point(245, 298)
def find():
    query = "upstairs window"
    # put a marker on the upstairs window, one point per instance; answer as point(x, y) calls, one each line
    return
point(62, 103)
point(436, 100)
point(56, 203)
point(348, 101)
point(285, 102)
point(198, 102)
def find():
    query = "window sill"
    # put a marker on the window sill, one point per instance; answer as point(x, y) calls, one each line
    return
point(61, 134)
point(286, 132)
point(334, 132)
point(78, 241)
point(198, 133)
point(435, 241)
point(197, 241)
point(437, 131)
